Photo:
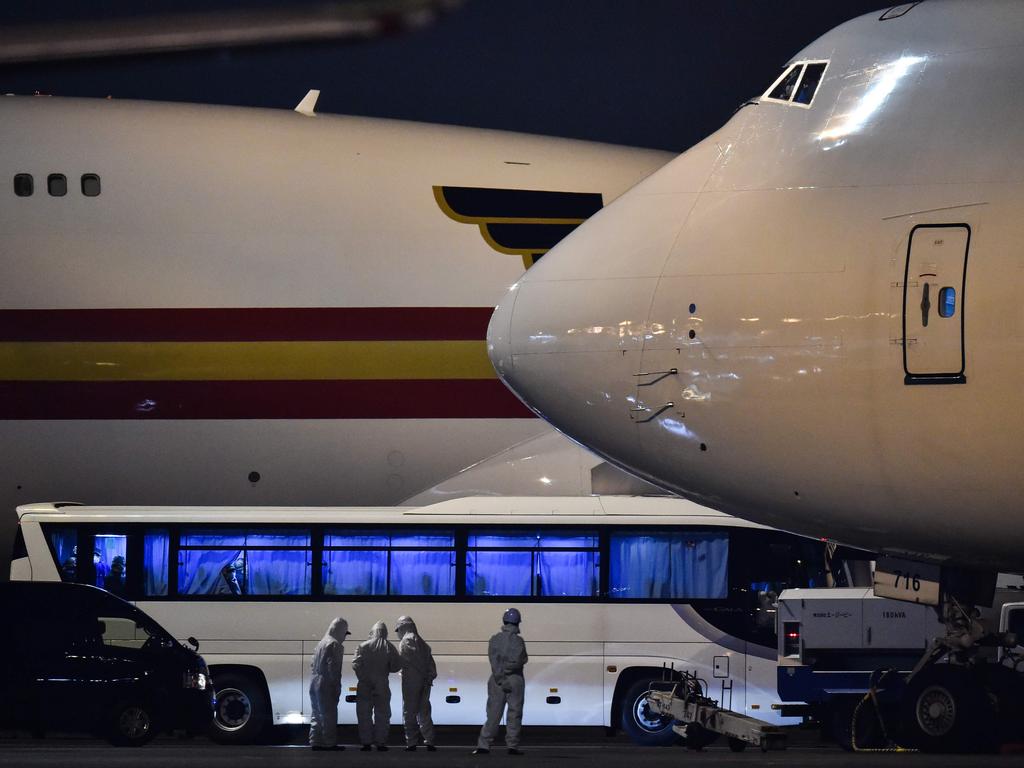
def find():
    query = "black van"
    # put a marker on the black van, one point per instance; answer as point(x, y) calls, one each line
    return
point(75, 657)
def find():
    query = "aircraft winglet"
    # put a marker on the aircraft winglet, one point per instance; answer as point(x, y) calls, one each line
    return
point(307, 106)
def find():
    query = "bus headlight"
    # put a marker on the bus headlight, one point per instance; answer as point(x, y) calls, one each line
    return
point(195, 680)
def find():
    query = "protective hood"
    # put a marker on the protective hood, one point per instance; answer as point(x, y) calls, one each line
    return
point(404, 626)
point(338, 630)
point(378, 639)
point(512, 629)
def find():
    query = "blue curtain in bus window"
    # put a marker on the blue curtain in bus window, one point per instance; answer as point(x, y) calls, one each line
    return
point(154, 563)
point(567, 574)
point(65, 543)
point(669, 565)
point(502, 574)
point(356, 539)
point(283, 570)
point(503, 540)
point(110, 557)
point(355, 572)
point(216, 566)
point(422, 573)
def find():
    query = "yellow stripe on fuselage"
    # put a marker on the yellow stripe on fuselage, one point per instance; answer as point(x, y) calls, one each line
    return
point(243, 360)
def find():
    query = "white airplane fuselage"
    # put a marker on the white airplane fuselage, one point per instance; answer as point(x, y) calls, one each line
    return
point(812, 318)
point(262, 307)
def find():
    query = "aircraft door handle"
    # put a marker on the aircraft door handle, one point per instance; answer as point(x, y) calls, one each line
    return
point(653, 415)
point(659, 375)
point(926, 304)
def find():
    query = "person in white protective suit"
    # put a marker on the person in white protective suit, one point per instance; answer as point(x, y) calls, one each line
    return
point(506, 686)
point(375, 658)
point(418, 673)
point(325, 687)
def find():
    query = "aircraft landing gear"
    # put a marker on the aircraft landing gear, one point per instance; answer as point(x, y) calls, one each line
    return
point(960, 698)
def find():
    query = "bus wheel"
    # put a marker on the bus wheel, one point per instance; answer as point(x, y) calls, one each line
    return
point(131, 723)
point(643, 725)
point(242, 710)
point(945, 709)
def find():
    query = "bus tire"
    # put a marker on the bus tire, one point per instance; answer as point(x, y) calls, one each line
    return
point(242, 712)
point(946, 709)
point(642, 725)
point(131, 723)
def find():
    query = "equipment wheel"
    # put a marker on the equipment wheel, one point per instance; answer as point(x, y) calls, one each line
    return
point(736, 745)
point(698, 737)
point(242, 711)
point(946, 709)
point(640, 722)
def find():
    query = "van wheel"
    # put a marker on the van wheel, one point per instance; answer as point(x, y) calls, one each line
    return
point(131, 724)
point(242, 710)
point(640, 722)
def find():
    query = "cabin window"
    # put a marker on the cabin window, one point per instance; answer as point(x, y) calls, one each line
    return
point(57, 184)
point(525, 564)
point(947, 302)
point(669, 565)
point(809, 83)
point(90, 185)
point(23, 184)
point(235, 562)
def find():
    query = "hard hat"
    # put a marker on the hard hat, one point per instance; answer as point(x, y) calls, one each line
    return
point(403, 621)
point(512, 616)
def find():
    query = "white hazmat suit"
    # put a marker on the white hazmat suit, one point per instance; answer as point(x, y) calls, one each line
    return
point(325, 686)
point(418, 673)
point(374, 659)
point(506, 687)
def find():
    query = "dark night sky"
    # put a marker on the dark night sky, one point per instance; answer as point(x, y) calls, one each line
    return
point(655, 73)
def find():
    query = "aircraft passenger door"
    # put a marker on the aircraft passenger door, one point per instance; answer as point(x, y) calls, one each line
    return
point(933, 304)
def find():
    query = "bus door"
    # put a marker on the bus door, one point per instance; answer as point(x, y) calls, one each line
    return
point(933, 304)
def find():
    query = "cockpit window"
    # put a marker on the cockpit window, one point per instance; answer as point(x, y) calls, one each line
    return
point(809, 83)
point(783, 90)
point(898, 10)
point(798, 84)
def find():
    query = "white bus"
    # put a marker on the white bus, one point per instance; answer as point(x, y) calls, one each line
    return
point(612, 590)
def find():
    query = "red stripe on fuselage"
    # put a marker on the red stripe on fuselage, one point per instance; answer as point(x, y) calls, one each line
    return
point(247, 324)
point(390, 399)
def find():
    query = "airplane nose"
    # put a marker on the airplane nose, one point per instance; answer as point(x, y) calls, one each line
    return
point(499, 347)
point(567, 339)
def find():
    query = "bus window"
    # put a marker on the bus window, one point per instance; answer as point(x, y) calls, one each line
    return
point(235, 562)
point(110, 561)
point(520, 564)
point(669, 565)
point(422, 564)
point(355, 563)
point(279, 562)
point(154, 563)
point(64, 543)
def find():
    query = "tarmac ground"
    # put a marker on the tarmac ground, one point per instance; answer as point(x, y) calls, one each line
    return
point(589, 747)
